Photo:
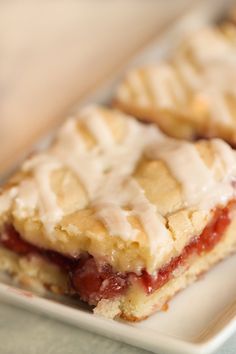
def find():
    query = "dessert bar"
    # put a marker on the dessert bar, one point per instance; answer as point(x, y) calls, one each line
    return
point(117, 214)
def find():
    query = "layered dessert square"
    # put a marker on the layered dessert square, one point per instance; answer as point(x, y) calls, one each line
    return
point(192, 94)
point(117, 214)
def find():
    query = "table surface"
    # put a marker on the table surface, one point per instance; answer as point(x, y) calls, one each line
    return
point(53, 53)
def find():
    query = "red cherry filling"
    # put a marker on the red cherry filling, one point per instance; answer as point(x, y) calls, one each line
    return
point(210, 236)
point(10, 239)
point(93, 281)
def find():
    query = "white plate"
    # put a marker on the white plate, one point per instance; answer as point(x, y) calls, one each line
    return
point(201, 317)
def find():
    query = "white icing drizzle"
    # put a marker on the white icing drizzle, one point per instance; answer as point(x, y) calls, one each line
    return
point(186, 166)
point(117, 189)
point(153, 223)
point(105, 170)
point(6, 199)
point(69, 137)
point(132, 196)
point(115, 220)
point(97, 126)
point(27, 198)
point(200, 187)
point(81, 165)
point(72, 151)
point(136, 89)
point(226, 154)
point(42, 167)
point(215, 57)
point(206, 64)
point(102, 170)
point(51, 213)
point(187, 71)
point(159, 81)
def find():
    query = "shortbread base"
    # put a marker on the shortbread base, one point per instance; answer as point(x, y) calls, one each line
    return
point(37, 274)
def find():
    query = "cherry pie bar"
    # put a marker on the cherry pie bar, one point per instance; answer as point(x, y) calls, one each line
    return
point(117, 214)
point(194, 93)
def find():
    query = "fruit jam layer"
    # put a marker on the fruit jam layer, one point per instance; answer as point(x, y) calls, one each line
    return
point(93, 281)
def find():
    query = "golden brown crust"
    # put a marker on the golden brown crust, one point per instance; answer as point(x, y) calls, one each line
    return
point(197, 267)
point(40, 275)
point(131, 318)
point(191, 95)
point(80, 230)
point(33, 272)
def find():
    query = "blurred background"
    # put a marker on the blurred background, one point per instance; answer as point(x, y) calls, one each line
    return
point(55, 52)
point(52, 54)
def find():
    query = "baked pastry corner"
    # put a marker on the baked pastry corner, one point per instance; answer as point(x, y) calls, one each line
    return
point(192, 94)
point(118, 214)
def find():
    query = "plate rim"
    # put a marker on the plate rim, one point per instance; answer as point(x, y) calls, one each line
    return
point(91, 322)
point(116, 330)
